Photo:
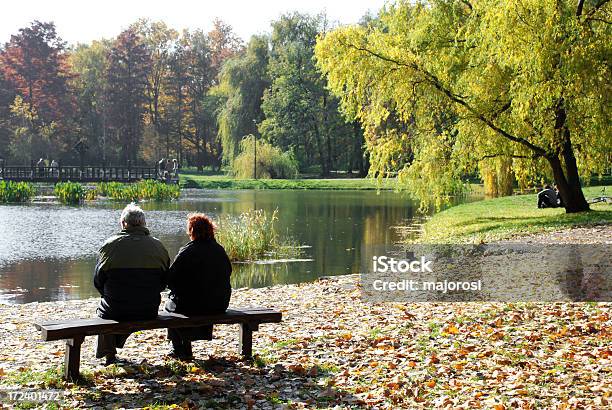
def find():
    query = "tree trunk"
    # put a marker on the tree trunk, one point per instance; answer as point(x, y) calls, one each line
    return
point(569, 187)
point(567, 180)
point(328, 161)
point(324, 170)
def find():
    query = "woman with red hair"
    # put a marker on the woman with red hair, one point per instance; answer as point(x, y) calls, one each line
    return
point(199, 283)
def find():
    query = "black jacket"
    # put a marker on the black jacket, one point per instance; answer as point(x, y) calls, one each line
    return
point(199, 279)
point(130, 273)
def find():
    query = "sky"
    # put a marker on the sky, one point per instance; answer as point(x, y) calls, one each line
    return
point(87, 20)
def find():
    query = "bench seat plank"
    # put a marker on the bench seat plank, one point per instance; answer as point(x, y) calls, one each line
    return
point(59, 330)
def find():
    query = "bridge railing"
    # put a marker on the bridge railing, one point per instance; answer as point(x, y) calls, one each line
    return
point(83, 174)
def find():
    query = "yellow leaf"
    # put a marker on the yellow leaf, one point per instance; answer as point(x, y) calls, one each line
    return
point(451, 330)
point(347, 336)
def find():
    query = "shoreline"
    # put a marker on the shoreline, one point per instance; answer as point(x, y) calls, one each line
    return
point(222, 182)
point(334, 349)
point(509, 217)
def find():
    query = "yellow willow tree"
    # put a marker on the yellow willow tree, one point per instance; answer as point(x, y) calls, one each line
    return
point(527, 80)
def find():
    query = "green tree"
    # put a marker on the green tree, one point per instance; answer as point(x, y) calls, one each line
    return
point(88, 62)
point(243, 81)
point(128, 67)
point(301, 114)
point(160, 41)
point(202, 107)
point(526, 80)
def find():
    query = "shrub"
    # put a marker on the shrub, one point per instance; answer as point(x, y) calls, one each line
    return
point(271, 161)
point(91, 194)
point(11, 191)
point(147, 189)
point(69, 192)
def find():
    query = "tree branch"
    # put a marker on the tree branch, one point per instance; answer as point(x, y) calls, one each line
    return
point(534, 156)
point(435, 82)
point(579, 8)
point(468, 4)
point(596, 7)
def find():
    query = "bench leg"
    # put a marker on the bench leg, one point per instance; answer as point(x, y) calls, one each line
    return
point(246, 339)
point(72, 358)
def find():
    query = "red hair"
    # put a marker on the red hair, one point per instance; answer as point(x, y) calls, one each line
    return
point(200, 226)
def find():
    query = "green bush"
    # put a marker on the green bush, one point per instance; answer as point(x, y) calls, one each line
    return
point(11, 191)
point(271, 161)
point(69, 192)
point(147, 189)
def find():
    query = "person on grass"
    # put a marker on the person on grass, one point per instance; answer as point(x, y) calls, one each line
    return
point(199, 283)
point(547, 198)
point(130, 273)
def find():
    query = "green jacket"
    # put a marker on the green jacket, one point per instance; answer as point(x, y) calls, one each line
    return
point(130, 273)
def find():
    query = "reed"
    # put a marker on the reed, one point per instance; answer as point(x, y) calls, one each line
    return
point(69, 192)
point(151, 190)
point(253, 235)
point(11, 191)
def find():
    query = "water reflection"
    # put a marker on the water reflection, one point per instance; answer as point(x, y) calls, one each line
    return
point(47, 251)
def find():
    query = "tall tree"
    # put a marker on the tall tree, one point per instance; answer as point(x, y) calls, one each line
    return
point(128, 67)
point(33, 63)
point(243, 82)
point(177, 83)
point(160, 41)
point(202, 106)
point(527, 80)
point(7, 95)
point(89, 64)
point(224, 44)
point(300, 112)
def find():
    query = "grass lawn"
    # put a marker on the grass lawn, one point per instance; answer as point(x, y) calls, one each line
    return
point(225, 182)
point(502, 218)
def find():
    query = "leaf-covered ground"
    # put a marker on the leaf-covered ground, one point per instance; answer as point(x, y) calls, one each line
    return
point(335, 351)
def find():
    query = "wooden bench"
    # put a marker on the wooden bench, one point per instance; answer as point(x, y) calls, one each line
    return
point(74, 331)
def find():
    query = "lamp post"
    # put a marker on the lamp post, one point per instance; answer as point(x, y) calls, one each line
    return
point(255, 150)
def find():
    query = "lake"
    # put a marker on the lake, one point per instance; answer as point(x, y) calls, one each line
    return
point(48, 251)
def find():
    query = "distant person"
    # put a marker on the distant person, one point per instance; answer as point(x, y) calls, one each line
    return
point(175, 167)
point(162, 168)
point(199, 282)
point(55, 168)
point(41, 167)
point(547, 198)
point(131, 271)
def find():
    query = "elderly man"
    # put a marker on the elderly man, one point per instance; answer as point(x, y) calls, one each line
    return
point(130, 274)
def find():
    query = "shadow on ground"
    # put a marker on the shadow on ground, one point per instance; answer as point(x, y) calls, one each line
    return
point(215, 382)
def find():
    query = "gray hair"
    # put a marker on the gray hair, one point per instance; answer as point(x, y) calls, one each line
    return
point(132, 215)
